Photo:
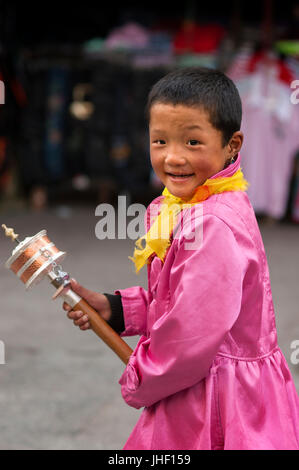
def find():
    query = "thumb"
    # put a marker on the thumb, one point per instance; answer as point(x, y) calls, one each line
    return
point(80, 290)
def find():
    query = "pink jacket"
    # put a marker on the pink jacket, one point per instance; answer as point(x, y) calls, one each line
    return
point(207, 368)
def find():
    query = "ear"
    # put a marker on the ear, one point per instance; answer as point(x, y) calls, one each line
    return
point(235, 143)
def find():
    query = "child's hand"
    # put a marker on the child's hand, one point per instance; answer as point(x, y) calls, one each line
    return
point(98, 301)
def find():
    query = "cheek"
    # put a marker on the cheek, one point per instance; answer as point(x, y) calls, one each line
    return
point(209, 162)
point(202, 163)
point(156, 161)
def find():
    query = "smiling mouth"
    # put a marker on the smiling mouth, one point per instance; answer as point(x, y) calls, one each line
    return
point(180, 175)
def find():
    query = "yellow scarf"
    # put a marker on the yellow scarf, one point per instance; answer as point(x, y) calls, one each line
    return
point(157, 239)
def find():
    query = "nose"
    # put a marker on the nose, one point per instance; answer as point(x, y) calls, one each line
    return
point(174, 156)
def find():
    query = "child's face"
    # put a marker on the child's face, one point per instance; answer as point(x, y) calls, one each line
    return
point(184, 142)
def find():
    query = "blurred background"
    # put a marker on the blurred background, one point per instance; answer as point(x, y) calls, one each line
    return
point(73, 135)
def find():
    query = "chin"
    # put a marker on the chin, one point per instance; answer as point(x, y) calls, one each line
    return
point(183, 189)
point(183, 194)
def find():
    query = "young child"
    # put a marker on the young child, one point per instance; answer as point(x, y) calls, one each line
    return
point(207, 368)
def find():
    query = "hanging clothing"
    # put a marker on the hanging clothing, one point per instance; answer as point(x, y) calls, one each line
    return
point(270, 127)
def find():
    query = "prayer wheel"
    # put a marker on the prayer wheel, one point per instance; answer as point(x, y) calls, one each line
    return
point(36, 258)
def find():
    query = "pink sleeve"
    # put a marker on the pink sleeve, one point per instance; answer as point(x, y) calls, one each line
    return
point(205, 293)
point(134, 302)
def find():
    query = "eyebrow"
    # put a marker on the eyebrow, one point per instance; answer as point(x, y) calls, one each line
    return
point(195, 126)
point(189, 128)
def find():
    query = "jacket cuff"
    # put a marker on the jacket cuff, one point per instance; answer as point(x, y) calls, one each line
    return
point(134, 303)
point(116, 320)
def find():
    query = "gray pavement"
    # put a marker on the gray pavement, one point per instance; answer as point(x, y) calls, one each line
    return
point(59, 387)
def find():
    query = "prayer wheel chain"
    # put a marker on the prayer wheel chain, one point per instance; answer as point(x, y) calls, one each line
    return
point(62, 276)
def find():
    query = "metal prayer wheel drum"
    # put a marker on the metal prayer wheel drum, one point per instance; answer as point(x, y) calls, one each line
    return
point(33, 258)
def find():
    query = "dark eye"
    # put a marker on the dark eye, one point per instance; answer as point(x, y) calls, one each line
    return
point(159, 141)
point(193, 142)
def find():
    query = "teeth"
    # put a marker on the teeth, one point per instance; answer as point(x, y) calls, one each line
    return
point(178, 175)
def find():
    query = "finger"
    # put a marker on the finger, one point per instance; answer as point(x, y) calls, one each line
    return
point(81, 321)
point(80, 290)
point(86, 326)
point(74, 314)
point(66, 306)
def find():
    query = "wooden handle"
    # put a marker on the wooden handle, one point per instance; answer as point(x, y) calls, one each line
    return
point(105, 332)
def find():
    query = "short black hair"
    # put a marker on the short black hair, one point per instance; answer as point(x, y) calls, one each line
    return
point(201, 86)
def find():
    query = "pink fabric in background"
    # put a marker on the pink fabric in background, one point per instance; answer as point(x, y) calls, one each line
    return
point(271, 137)
point(207, 368)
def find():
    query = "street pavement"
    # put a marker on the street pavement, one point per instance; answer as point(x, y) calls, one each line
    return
point(59, 385)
